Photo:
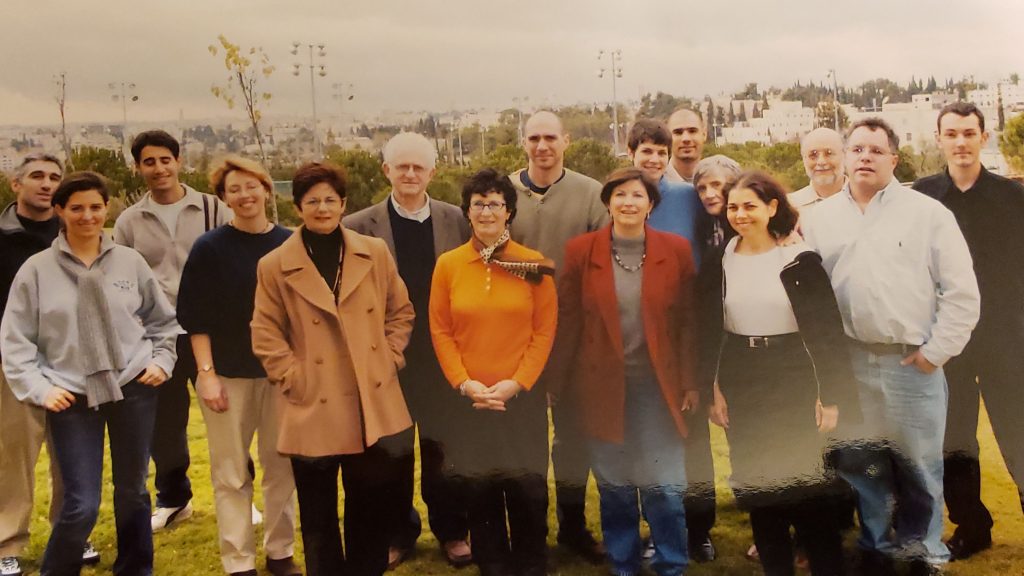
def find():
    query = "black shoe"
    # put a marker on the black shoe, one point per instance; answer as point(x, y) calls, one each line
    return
point(923, 568)
point(703, 551)
point(963, 545)
point(872, 563)
point(583, 544)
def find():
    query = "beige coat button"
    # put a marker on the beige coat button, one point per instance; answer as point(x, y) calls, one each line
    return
point(323, 400)
point(319, 361)
point(373, 346)
point(316, 320)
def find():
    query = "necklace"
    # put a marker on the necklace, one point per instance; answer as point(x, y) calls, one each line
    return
point(643, 257)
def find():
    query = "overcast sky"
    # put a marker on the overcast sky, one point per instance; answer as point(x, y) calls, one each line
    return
point(421, 55)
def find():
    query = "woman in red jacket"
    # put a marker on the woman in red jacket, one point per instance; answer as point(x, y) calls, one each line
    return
point(626, 342)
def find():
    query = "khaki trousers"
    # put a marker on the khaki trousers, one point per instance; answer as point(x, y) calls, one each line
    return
point(253, 409)
point(22, 430)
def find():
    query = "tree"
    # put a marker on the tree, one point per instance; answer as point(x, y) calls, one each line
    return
point(590, 157)
point(661, 105)
point(62, 86)
point(825, 115)
point(6, 192)
point(1015, 79)
point(365, 177)
point(506, 158)
point(905, 169)
point(1011, 143)
point(121, 179)
point(245, 68)
point(749, 92)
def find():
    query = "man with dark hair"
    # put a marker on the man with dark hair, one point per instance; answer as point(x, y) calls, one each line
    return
point(556, 204)
point(688, 137)
point(27, 226)
point(987, 208)
point(162, 226)
point(906, 289)
point(417, 230)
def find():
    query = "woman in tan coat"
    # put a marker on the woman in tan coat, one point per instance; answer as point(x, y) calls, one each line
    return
point(332, 318)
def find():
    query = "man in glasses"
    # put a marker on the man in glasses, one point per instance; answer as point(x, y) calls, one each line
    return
point(555, 204)
point(27, 226)
point(906, 289)
point(418, 229)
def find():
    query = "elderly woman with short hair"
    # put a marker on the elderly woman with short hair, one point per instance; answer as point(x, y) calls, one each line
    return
point(492, 318)
point(215, 305)
point(331, 321)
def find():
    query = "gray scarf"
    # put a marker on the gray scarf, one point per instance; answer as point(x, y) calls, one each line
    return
point(98, 345)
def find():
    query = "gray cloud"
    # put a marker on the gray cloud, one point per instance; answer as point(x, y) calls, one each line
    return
point(460, 53)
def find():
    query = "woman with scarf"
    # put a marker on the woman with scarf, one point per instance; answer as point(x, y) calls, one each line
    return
point(493, 312)
point(107, 340)
point(331, 320)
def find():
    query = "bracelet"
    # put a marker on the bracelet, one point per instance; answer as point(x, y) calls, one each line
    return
point(462, 388)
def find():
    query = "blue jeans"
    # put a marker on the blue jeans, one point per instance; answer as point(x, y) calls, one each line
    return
point(78, 447)
point(899, 465)
point(650, 462)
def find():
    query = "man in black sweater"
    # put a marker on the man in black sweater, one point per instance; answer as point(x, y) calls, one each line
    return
point(417, 230)
point(987, 208)
point(27, 226)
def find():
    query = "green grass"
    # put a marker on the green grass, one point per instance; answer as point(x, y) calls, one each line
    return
point(191, 549)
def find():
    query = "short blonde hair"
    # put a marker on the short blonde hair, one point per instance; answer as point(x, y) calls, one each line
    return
point(231, 163)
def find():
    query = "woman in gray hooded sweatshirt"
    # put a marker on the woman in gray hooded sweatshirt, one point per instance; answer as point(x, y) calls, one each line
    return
point(88, 335)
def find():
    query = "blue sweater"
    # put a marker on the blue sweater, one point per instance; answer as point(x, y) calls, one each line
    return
point(677, 213)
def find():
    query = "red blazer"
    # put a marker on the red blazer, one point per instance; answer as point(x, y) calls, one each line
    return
point(588, 355)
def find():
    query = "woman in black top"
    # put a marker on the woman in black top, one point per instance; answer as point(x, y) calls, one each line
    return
point(215, 305)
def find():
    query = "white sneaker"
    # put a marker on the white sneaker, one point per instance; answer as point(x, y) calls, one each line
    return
point(9, 566)
point(90, 555)
point(257, 517)
point(167, 517)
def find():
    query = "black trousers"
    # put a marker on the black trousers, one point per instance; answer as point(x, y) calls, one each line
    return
point(372, 485)
point(816, 528)
point(170, 436)
point(570, 460)
point(431, 402)
point(992, 368)
point(700, 477)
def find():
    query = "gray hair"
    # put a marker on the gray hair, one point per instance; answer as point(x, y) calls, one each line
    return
point(22, 168)
point(716, 162)
point(410, 141)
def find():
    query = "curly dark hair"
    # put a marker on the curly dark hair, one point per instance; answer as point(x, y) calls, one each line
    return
point(488, 181)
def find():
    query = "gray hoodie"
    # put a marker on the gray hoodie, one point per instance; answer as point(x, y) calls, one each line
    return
point(39, 332)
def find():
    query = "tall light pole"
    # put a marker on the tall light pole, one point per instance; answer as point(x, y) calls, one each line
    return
point(123, 91)
point(314, 71)
point(835, 97)
point(520, 102)
point(615, 58)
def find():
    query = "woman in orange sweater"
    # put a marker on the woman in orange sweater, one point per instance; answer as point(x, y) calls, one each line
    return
point(493, 312)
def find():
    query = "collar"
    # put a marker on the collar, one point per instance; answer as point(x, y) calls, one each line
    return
point(61, 244)
point(419, 215)
point(192, 198)
point(9, 222)
point(951, 186)
point(882, 197)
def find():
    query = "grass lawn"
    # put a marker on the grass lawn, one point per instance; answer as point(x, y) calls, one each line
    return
point(191, 549)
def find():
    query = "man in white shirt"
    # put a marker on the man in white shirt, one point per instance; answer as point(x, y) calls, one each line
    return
point(905, 284)
point(688, 137)
point(822, 154)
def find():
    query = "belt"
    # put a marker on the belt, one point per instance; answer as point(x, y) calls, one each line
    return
point(777, 341)
point(886, 349)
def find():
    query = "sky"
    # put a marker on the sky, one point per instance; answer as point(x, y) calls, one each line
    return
point(465, 54)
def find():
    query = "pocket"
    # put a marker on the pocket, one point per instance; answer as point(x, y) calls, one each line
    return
point(293, 385)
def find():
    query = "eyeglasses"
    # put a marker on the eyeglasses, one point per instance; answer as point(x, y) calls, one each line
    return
point(494, 207)
point(330, 202)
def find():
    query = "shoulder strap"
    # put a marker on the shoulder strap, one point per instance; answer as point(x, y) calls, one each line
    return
point(206, 212)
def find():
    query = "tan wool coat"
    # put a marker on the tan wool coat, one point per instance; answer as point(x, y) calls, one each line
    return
point(337, 365)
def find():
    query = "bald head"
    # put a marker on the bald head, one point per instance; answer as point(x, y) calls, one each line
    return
point(688, 137)
point(822, 153)
point(545, 141)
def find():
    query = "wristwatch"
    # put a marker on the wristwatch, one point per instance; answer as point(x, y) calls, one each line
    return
point(206, 368)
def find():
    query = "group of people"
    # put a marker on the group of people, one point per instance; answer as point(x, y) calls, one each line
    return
point(813, 327)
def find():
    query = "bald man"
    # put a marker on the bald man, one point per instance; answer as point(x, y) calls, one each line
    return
point(555, 204)
point(688, 136)
point(822, 153)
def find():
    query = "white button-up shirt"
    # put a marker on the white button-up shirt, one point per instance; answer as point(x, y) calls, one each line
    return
point(901, 269)
point(419, 215)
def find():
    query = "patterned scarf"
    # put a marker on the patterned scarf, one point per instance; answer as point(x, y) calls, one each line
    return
point(532, 271)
